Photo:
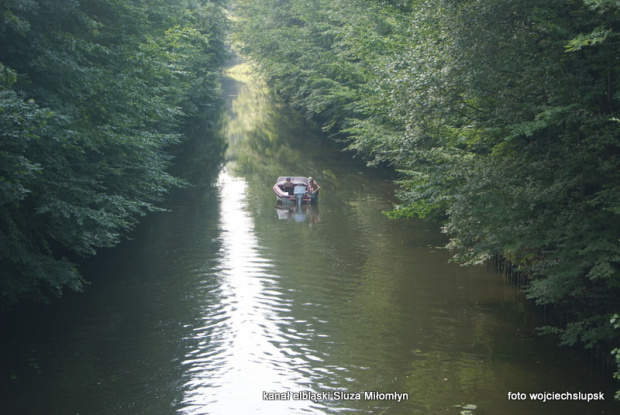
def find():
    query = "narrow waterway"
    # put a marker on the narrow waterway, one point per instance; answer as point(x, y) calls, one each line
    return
point(232, 304)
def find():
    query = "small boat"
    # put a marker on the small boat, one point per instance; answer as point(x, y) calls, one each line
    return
point(294, 189)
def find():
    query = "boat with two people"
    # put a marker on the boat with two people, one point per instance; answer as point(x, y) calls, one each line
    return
point(296, 189)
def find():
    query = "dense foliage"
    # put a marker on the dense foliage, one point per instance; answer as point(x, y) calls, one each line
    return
point(502, 117)
point(92, 95)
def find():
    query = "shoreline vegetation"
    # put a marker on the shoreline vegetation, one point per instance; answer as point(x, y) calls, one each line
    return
point(96, 97)
point(502, 119)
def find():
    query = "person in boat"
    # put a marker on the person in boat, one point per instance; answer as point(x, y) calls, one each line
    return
point(288, 186)
point(313, 187)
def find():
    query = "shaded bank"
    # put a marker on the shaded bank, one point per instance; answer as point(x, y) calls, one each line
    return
point(93, 94)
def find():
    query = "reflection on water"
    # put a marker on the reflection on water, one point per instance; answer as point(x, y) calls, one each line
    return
point(298, 213)
point(241, 343)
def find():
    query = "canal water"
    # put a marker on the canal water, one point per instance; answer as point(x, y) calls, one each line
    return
point(229, 303)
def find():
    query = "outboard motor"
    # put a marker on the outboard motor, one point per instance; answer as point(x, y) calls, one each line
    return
point(299, 193)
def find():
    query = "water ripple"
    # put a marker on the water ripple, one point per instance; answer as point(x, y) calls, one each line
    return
point(246, 342)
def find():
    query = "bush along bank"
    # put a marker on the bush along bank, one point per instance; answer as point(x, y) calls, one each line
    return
point(93, 95)
point(501, 118)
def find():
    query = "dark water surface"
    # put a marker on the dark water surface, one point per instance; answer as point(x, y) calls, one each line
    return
point(228, 297)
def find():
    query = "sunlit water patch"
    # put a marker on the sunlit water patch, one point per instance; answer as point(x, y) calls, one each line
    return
point(246, 344)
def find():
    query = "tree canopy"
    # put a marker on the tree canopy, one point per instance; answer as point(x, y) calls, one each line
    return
point(93, 94)
point(501, 117)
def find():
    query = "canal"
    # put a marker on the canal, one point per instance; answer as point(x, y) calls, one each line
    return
point(229, 303)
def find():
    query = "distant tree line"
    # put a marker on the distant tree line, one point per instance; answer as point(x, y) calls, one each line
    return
point(93, 94)
point(502, 117)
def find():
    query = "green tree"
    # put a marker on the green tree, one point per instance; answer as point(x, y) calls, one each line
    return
point(94, 95)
